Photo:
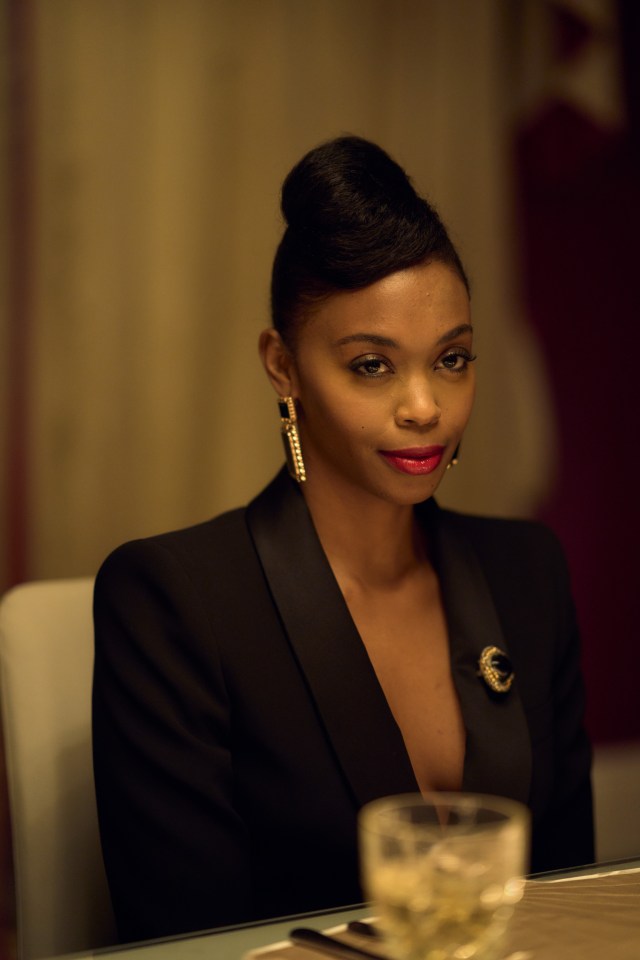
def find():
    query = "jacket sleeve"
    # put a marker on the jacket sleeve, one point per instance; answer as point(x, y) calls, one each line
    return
point(175, 851)
point(529, 580)
point(564, 835)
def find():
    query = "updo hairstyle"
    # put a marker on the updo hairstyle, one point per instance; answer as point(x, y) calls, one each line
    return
point(352, 217)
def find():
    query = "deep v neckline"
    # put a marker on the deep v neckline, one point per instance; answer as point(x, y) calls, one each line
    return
point(350, 703)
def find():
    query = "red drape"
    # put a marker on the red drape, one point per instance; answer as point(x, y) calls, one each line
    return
point(579, 228)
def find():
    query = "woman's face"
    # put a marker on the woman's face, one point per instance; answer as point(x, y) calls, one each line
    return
point(384, 384)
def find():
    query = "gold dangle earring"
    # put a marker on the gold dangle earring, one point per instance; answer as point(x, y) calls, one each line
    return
point(454, 459)
point(291, 438)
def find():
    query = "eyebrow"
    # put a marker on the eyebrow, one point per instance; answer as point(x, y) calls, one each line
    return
point(367, 338)
point(456, 332)
point(378, 341)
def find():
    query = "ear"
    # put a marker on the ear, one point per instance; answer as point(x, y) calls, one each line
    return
point(278, 362)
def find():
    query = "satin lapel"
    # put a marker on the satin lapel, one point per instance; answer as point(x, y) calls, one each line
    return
point(498, 751)
point(365, 738)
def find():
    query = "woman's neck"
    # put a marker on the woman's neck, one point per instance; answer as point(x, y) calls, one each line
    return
point(368, 541)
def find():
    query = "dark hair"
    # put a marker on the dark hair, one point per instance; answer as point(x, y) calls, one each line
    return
point(352, 218)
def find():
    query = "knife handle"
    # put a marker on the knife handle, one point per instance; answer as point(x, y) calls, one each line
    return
point(306, 937)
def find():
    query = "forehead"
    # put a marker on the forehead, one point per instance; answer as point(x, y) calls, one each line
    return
point(420, 302)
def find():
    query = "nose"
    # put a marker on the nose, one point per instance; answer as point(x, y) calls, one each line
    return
point(417, 405)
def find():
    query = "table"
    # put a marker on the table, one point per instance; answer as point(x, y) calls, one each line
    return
point(232, 943)
point(229, 943)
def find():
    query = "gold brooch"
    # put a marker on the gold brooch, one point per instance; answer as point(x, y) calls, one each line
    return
point(496, 669)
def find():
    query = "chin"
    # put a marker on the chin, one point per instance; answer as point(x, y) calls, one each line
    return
point(408, 494)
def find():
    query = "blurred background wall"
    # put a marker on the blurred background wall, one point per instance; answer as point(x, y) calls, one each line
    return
point(156, 135)
point(146, 144)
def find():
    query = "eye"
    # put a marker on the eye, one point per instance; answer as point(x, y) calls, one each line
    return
point(456, 360)
point(370, 366)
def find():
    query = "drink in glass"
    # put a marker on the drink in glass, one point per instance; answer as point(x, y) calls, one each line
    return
point(444, 872)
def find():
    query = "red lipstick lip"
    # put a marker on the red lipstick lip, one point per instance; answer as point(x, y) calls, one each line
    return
point(415, 461)
point(415, 453)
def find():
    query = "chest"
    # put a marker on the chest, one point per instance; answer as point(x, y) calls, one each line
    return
point(405, 634)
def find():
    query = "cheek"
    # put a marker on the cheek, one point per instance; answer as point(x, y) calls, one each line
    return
point(334, 420)
point(470, 400)
point(325, 402)
point(463, 410)
point(360, 421)
point(458, 410)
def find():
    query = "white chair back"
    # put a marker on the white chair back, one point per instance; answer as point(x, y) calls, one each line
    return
point(616, 795)
point(46, 664)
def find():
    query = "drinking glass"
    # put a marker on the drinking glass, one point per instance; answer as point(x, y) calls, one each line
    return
point(444, 872)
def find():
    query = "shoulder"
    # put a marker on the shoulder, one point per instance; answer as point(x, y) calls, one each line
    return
point(522, 561)
point(189, 545)
point(216, 555)
point(506, 529)
point(211, 559)
point(210, 570)
point(507, 541)
point(179, 600)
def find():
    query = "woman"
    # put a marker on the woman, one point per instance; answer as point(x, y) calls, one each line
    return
point(261, 676)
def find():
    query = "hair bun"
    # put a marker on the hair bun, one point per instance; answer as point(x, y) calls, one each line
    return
point(345, 181)
point(352, 218)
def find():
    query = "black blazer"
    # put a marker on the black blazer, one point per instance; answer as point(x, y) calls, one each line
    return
point(239, 725)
